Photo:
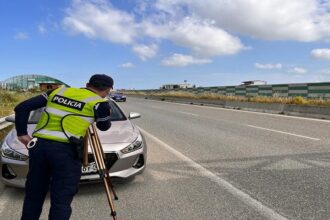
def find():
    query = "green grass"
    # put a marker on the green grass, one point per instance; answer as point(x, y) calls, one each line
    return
point(298, 100)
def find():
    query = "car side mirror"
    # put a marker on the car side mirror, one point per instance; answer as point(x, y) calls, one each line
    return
point(133, 115)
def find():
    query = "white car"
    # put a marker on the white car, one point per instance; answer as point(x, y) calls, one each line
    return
point(123, 144)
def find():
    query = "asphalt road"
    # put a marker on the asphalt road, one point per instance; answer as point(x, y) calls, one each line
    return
point(210, 163)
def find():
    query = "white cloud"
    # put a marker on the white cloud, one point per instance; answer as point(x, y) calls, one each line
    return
point(207, 28)
point(297, 20)
point(145, 51)
point(321, 54)
point(98, 19)
point(325, 72)
point(268, 66)
point(298, 70)
point(127, 65)
point(181, 60)
point(21, 36)
point(42, 29)
point(204, 39)
point(201, 36)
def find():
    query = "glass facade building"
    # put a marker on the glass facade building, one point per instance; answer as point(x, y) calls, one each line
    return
point(28, 82)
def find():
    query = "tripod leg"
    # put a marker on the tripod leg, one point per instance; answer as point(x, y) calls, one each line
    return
point(99, 148)
point(111, 187)
point(85, 151)
point(104, 173)
point(113, 212)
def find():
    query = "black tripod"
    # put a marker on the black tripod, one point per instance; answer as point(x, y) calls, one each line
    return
point(99, 158)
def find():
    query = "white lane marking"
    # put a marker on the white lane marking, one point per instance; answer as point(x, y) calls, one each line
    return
point(188, 113)
point(247, 199)
point(250, 112)
point(282, 132)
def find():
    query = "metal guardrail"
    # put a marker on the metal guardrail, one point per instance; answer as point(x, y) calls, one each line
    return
point(3, 123)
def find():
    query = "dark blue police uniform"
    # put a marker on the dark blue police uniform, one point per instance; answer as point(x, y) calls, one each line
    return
point(53, 165)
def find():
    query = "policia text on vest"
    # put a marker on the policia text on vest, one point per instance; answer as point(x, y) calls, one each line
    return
point(68, 102)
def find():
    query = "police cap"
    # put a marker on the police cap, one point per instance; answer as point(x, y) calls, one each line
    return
point(101, 81)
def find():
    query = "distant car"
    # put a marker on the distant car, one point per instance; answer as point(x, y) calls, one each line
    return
point(118, 97)
point(123, 144)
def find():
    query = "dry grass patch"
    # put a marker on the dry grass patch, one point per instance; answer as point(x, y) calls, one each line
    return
point(4, 132)
point(136, 93)
point(9, 99)
point(298, 100)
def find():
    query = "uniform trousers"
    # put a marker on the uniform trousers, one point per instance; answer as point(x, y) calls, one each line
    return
point(53, 166)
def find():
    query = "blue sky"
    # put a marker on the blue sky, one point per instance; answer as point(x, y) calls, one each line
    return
point(144, 44)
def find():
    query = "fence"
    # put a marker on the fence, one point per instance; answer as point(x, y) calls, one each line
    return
point(307, 90)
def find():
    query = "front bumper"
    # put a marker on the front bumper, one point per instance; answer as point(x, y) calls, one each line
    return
point(121, 166)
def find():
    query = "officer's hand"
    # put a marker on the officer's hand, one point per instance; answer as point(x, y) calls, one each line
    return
point(24, 139)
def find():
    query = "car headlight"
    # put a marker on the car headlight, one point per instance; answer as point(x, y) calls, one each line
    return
point(137, 144)
point(8, 152)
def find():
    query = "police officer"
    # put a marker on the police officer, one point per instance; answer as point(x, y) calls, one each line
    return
point(54, 162)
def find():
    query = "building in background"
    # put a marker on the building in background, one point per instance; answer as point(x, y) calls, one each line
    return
point(184, 85)
point(254, 82)
point(31, 82)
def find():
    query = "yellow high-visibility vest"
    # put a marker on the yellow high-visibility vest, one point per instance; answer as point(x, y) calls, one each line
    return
point(69, 112)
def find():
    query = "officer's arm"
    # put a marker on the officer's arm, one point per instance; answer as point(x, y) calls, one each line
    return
point(102, 116)
point(23, 109)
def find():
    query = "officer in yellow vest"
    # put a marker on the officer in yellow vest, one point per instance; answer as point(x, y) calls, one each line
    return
point(54, 162)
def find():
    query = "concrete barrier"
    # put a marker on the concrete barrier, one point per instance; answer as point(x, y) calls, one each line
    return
point(3, 123)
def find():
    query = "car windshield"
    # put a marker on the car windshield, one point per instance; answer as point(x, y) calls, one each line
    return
point(116, 113)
